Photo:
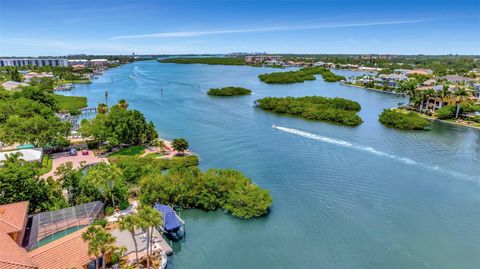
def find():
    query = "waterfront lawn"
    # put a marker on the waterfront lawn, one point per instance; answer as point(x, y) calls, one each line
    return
point(70, 103)
point(338, 110)
point(405, 121)
point(130, 151)
point(153, 155)
point(300, 75)
point(207, 60)
point(229, 91)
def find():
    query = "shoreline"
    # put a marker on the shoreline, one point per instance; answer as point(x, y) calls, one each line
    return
point(442, 121)
point(367, 88)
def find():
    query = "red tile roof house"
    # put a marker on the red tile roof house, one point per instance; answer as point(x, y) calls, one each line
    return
point(69, 251)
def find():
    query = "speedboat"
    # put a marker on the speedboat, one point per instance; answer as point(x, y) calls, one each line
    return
point(274, 126)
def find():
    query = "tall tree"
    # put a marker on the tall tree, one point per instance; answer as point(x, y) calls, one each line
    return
point(100, 242)
point(180, 144)
point(104, 181)
point(131, 223)
point(123, 104)
point(150, 218)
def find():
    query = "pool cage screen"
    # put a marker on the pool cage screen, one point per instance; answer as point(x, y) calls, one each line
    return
point(47, 226)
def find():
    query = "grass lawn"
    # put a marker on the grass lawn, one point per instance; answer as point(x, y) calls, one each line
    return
point(153, 155)
point(70, 103)
point(47, 162)
point(130, 151)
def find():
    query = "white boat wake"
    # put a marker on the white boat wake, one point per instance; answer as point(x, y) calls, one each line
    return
point(371, 150)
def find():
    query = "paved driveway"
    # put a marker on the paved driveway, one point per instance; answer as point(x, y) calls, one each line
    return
point(64, 157)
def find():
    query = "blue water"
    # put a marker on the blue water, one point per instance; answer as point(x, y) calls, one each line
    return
point(343, 197)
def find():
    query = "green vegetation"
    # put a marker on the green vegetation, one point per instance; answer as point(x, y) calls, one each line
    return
point(119, 126)
point(336, 110)
point(191, 188)
point(134, 168)
point(404, 121)
point(229, 91)
point(300, 75)
point(19, 181)
point(28, 116)
point(205, 60)
point(180, 144)
point(47, 163)
point(153, 155)
point(70, 104)
point(129, 151)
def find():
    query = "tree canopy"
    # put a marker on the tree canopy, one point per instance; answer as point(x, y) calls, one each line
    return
point(120, 125)
point(337, 110)
point(28, 116)
point(188, 187)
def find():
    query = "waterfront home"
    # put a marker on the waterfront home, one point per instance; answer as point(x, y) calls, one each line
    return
point(407, 72)
point(389, 80)
point(436, 101)
point(48, 240)
point(28, 155)
point(455, 79)
point(429, 82)
point(369, 69)
point(262, 58)
point(13, 85)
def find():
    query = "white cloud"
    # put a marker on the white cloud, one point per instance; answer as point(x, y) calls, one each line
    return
point(265, 29)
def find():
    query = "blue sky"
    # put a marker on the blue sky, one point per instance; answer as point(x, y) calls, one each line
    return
point(61, 27)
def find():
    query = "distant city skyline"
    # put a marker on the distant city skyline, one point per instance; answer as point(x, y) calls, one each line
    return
point(54, 27)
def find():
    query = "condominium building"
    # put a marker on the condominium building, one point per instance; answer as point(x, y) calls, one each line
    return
point(262, 58)
point(34, 62)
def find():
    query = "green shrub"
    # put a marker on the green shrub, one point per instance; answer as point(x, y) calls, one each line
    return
point(134, 168)
point(188, 187)
point(229, 91)
point(337, 110)
point(405, 121)
point(446, 112)
point(101, 222)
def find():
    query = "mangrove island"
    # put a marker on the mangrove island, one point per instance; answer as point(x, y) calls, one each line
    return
point(338, 110)
point(229, 91)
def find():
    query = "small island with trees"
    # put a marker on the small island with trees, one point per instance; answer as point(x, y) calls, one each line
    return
point(229, 91)
point(337, 110)
point(301, 75)
point(403, 120)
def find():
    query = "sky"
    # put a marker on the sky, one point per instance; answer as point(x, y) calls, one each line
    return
point(64, 27)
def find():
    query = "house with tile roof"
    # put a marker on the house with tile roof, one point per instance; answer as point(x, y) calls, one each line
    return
point(60, 250)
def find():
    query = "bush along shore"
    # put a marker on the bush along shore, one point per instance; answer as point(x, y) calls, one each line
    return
point(404, 121)
point(338, 110)
point(300, 75)
point(229, 91)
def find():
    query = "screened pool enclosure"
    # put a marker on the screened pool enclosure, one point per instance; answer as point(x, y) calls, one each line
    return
point(46, 227)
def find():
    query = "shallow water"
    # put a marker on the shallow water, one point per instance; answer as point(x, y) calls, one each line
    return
point(343, 197)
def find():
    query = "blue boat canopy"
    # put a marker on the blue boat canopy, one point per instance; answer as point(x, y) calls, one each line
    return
point(170, 219)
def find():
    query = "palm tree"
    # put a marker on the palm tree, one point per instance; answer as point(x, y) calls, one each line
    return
point(461, 95)
point(102, 108)
point(123, 104)
point(131, 223)
point(409, 87)
point(151, 218)
point(100, 242)
point(158, 144)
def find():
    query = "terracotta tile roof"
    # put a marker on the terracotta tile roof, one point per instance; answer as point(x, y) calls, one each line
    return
point(13, 217)
point(13, 256)
point(69, 251)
